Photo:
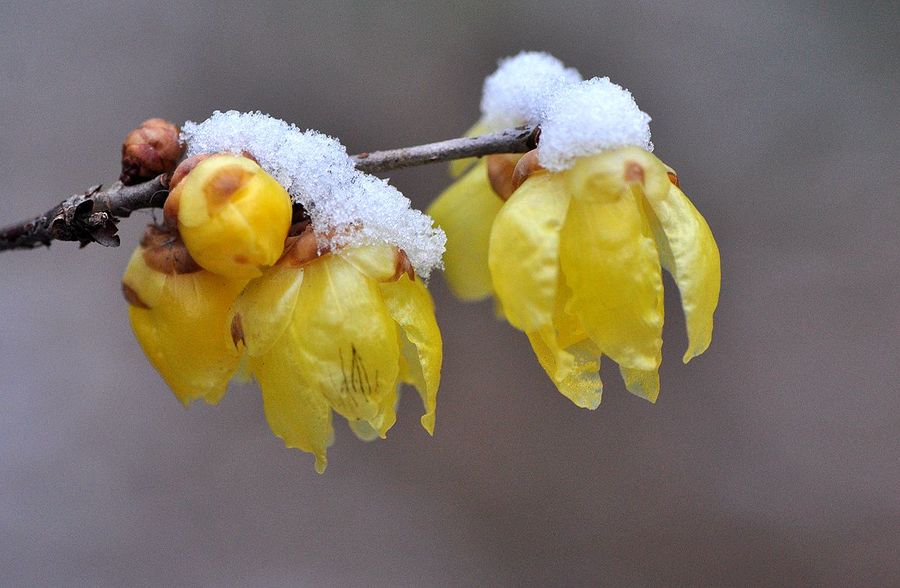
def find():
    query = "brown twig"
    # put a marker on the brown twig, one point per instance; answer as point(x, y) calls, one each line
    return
point(91, 217)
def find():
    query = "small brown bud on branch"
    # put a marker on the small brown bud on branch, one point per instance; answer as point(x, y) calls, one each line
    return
point(151, 149)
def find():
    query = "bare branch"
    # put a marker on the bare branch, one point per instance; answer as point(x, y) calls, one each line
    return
point(91, 217)
point(518, 140)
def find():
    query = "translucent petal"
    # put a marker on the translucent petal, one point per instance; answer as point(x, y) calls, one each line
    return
point(643, 383)
point(184, 331)
point(296, 410)
point(609, 259)
point(265, 307)
point(524, 251)
point(574, 370)
point(378, 262)
point(363, 430)
point(459, 166)
point(345, 341)
point(689, 252)
point(410, 304)
point(466, 211)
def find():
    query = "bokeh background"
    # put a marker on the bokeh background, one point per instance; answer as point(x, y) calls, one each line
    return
point(771, 460)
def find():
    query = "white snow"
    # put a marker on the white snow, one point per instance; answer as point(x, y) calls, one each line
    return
point(588, 117)
point(517, 92)
point(346, 206)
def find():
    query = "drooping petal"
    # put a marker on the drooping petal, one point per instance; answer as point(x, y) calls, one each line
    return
point(264, 309)
point(574, 369)
point(296, 410)
point(411, 306)
point(643, 383)
point(466, 211)
point(689, 252)
point(524, 251)
point(181, 324)
point(363, 430)
point(609, 259)
point(346, 341)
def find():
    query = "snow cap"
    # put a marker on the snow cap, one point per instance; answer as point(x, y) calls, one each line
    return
point(517, 92)
point(588, 117)
point(347, 207)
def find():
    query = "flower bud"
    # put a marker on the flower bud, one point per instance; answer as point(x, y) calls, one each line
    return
point(527, 166)
point(232, 215)
point(500, 173)
point(164, 252)
point(149, 150)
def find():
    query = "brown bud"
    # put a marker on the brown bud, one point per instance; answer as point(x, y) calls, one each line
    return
point(151, 149)
point(404, 266)
point(299, 251)
point(165, 252)
point(526, 166)
point(673, 176)
point(500, 171)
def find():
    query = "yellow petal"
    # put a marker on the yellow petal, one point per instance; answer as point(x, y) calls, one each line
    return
point(296, 410)
point(411, 306)
point(345, 341)
point(689, 252)
point(459, 166)
point(182, 328)
point(148, 283)
point(643, 383)
point(574, 370)
point(378, 262)
point(466, 211)
point(609, 259)
point(566, 353)
point(524, 251)
point(264, 309)
point(363, 430)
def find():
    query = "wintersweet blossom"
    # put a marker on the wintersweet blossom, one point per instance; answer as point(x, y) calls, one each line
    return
point(338, 332)
point(575, 239)
point(330, 318)
point(575, 260)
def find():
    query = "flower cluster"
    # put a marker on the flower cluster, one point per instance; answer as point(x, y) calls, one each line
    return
point(227, 282)
point(571, 238)
point(281, 261)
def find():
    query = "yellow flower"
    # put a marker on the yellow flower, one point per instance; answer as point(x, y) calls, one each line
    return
point(232, 215)
point(179, 315)
point(338, 332)
point(575, 260)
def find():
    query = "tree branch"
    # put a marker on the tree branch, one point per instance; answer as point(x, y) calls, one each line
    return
point(91, 217)
point(518, 140)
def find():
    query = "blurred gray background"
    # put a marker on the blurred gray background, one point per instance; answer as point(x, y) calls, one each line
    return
point(771, 460)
